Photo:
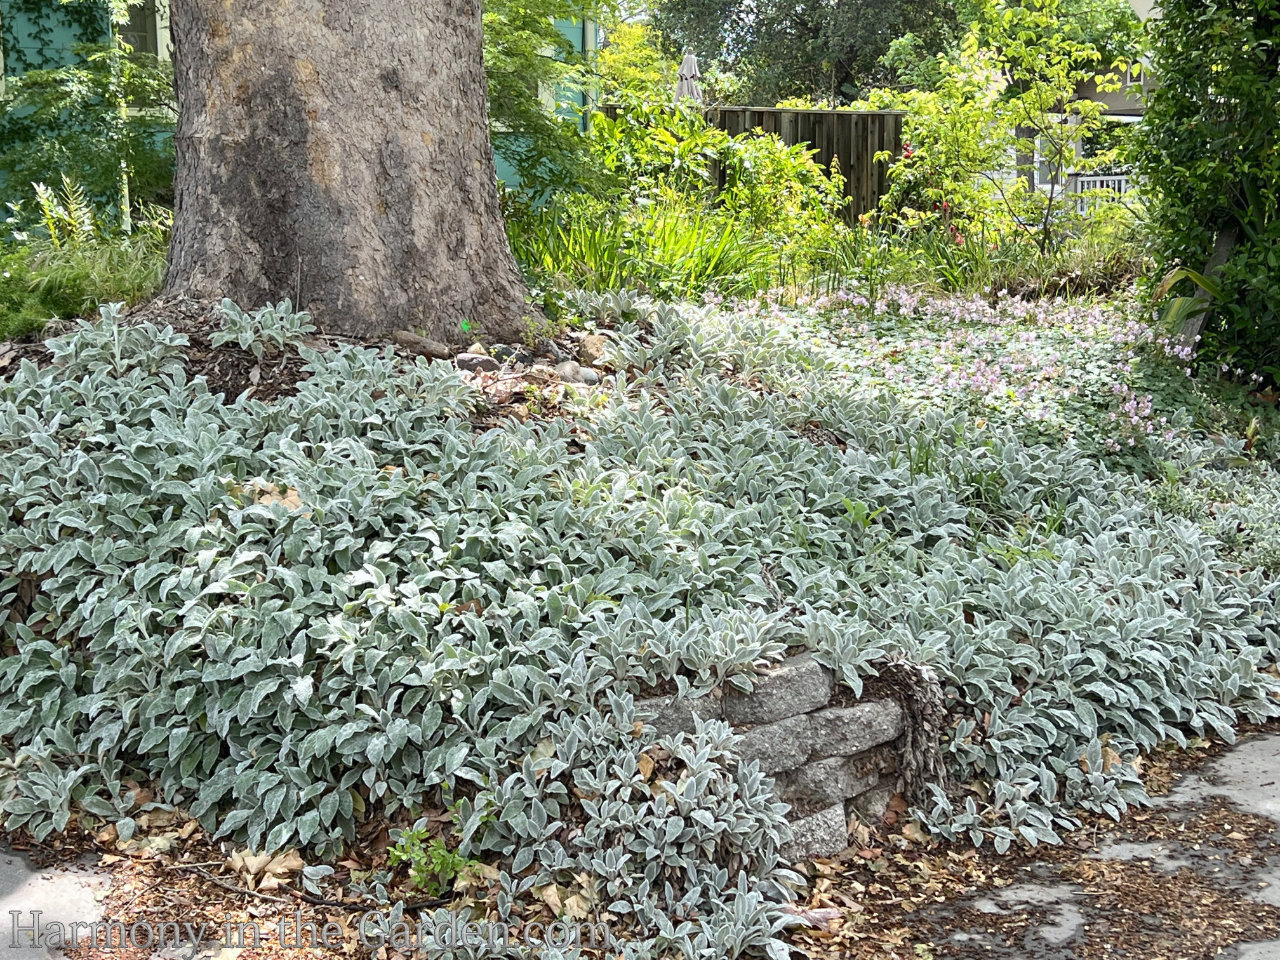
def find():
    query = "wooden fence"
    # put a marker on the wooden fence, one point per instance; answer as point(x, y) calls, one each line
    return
point(850, 138)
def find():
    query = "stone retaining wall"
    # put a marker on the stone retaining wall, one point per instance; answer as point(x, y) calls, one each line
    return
point(832, 758)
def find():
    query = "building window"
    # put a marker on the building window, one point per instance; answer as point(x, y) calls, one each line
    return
point(142, 31)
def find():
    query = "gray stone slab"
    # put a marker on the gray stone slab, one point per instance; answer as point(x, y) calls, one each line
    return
point(1248, 774)
point(824, 834)
point(871, 807)
point(1163, 856)
point(843, 731)
point(1267, 888)
point(1064, 921)
point(829, 781)
point(672, 715)
point(796, 685)
point(778, 746)
point(1269, 950)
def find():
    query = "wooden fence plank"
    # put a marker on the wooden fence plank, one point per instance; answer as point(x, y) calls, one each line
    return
point(849, 138)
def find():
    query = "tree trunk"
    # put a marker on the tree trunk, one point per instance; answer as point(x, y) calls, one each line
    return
point(1224, 244)
point(338, 154)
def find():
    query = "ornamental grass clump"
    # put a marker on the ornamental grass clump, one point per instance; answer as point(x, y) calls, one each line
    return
point(351, 603)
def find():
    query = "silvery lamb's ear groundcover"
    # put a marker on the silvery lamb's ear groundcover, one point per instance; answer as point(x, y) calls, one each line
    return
point(290, 617)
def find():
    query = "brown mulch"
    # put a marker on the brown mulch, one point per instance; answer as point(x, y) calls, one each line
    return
point(231, 371)
point(895, 895)
point(228, 369)
point(1137, 911)
point(525, 394)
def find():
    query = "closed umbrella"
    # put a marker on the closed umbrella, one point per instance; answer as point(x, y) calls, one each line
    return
point(687, 87)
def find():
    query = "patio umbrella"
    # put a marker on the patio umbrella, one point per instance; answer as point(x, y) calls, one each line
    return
point(687, 87)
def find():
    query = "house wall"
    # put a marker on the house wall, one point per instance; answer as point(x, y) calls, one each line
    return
point(48, 39)
point(583, 35)
point(1125, 102)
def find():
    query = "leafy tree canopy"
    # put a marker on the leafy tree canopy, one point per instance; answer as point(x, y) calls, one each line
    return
point(805, 48)
point(835, 53)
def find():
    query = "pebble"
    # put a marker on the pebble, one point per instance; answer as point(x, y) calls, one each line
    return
point(591, 349)
point(570, 372)
point(503, 351)
point(552, 349)
point(476, 362)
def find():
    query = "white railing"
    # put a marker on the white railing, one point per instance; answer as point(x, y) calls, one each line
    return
point(1117, 184)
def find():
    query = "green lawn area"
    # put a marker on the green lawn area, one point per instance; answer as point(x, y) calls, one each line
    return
point(356, 603)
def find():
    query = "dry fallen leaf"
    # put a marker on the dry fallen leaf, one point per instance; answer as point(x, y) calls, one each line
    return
point(551, 897)
point(915, 833)
point(285, 864)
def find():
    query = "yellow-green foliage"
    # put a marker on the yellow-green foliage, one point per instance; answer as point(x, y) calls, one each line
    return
point(631, 64)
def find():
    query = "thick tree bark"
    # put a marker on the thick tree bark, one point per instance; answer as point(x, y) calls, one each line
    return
point(338, 153)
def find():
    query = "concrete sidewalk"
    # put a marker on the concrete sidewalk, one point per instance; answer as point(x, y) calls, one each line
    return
point(57, 895)
point(1179, 895)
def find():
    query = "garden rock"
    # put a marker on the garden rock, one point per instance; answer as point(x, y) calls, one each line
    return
point(841, 731)
point(672, 715)
point(777, 746)
point(832, 780)
point(569, 372)
point(591, 349)
point(823, 834)
point(796, 685)
point(873, 805)
point(503, 351)
point(552, 349)
point(476, 363)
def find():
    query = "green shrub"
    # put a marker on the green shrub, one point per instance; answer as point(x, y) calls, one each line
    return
point(669, 248)
point(431, 865)
point(658, 219)
point(21, 311)
point(648, 149)
point(653, 153)
point(959, 201)
point(1210, 161)
point(777, 189)
point(72, 122)
point(631, 65)
point(69, 262)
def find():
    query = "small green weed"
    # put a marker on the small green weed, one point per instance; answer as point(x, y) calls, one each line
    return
point(432, 866)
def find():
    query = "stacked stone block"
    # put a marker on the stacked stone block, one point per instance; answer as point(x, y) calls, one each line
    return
point(831, 759)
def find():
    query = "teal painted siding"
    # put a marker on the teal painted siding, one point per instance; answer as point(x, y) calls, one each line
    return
point(583, 36)
point(49, 39)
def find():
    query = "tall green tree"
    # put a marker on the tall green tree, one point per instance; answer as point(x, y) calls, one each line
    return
point(836, 52)
point(801, 48)
point(100, 119)
point(1210, 165)
point(532, 69)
